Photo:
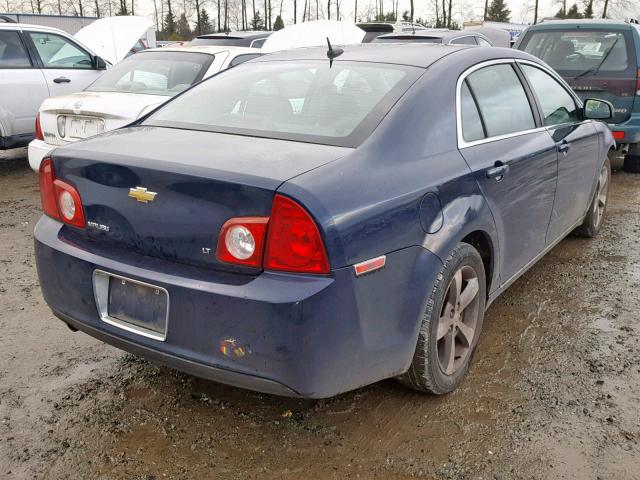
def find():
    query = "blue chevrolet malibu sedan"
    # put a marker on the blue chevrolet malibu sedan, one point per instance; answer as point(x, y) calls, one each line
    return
point(303, 227)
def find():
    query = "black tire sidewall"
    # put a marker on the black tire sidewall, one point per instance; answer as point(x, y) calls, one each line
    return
point(464, 254)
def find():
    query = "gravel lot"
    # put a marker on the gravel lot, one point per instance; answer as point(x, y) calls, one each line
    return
point(553, 391)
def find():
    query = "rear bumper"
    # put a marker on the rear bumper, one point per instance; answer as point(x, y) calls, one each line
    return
point(305, 336)
point(228, 377)
point(38, 149)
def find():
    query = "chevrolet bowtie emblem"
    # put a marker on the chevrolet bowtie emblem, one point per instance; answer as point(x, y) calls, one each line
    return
point(141, 194)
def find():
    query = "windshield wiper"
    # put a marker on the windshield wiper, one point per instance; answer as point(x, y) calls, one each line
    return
point(596, 69)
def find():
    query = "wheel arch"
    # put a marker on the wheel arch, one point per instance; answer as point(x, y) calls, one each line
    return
point(481, 241)
point(469, 219)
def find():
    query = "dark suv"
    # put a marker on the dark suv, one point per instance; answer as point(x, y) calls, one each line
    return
point(597, 58)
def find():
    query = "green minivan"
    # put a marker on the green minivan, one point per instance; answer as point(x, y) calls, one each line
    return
point(597, 58)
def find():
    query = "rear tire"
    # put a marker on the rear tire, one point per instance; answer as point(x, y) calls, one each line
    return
point(598, 206)
point(451, 324)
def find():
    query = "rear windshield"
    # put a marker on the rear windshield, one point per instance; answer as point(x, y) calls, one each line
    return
point(408, 38)
point(154, 73)
point(306, 101)
point(580, 50)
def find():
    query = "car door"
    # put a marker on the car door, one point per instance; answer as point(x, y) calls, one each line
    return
point(577, 146)
point(22, 89)
point(66, 66)
point(513, 159)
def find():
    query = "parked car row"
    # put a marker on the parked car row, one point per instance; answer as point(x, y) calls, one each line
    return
point(38, 62)
point(315, 220)
point(596, 57)
point(126, 92)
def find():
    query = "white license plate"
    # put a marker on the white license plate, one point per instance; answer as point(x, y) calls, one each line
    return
point(79, 127)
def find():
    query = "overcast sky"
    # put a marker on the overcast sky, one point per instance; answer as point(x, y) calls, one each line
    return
point(521, 10)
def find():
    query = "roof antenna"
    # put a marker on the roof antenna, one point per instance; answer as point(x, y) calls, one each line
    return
point(333, 53)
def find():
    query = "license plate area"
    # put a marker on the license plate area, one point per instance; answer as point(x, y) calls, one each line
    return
point(132, 305)
point(82, 127)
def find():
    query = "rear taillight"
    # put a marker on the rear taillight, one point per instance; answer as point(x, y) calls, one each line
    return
point(39, 135)
point(294, 243)
point(241, 241)
point(287, 241)
point(618, 134)
point(60, 200)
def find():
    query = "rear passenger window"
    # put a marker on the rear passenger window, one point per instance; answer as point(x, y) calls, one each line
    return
point(557, 104)
point(502, 101)
point(472, 128)
point(12, 51)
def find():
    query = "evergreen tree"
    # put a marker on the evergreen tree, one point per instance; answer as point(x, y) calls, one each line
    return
point(405, 16)
point(588, 10)
point(169, 27)
point(573, 12)
point(257, 23)
point(498, 11)
point(183, 28)
point(278, 24)
point(387, 17)
point(204, 26)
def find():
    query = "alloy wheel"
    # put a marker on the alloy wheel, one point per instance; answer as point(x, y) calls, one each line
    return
point(600, 202)
point(458, 320)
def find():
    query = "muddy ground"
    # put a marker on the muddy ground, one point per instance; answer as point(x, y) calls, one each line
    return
point(554, 390)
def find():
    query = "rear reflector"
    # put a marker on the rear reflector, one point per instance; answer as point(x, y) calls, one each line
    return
point(618, 134)
point(60, 200)
point(370, 265)
point(638, 82)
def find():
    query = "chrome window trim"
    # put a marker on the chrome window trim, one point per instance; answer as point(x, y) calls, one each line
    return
point(462, 143)
point(101, 295)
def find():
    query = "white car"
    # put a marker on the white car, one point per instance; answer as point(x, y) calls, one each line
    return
point(37, 62)
point(127, 91)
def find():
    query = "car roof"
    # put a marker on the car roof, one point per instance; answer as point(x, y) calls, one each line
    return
point(237, 35)
point(31, 26)
point(208, 49)
point(554, 23)
point(410, 54)
point(432, 33)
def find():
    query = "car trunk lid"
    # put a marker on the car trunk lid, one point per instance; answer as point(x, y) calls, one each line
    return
point(194, 181)
point(81, 115)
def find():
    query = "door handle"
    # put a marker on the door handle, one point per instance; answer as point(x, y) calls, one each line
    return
point(563, 147)
point(497, 171)
point(61, 80)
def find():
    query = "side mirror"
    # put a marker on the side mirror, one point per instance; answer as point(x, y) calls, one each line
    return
point(597, 109)
point(99, 63)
